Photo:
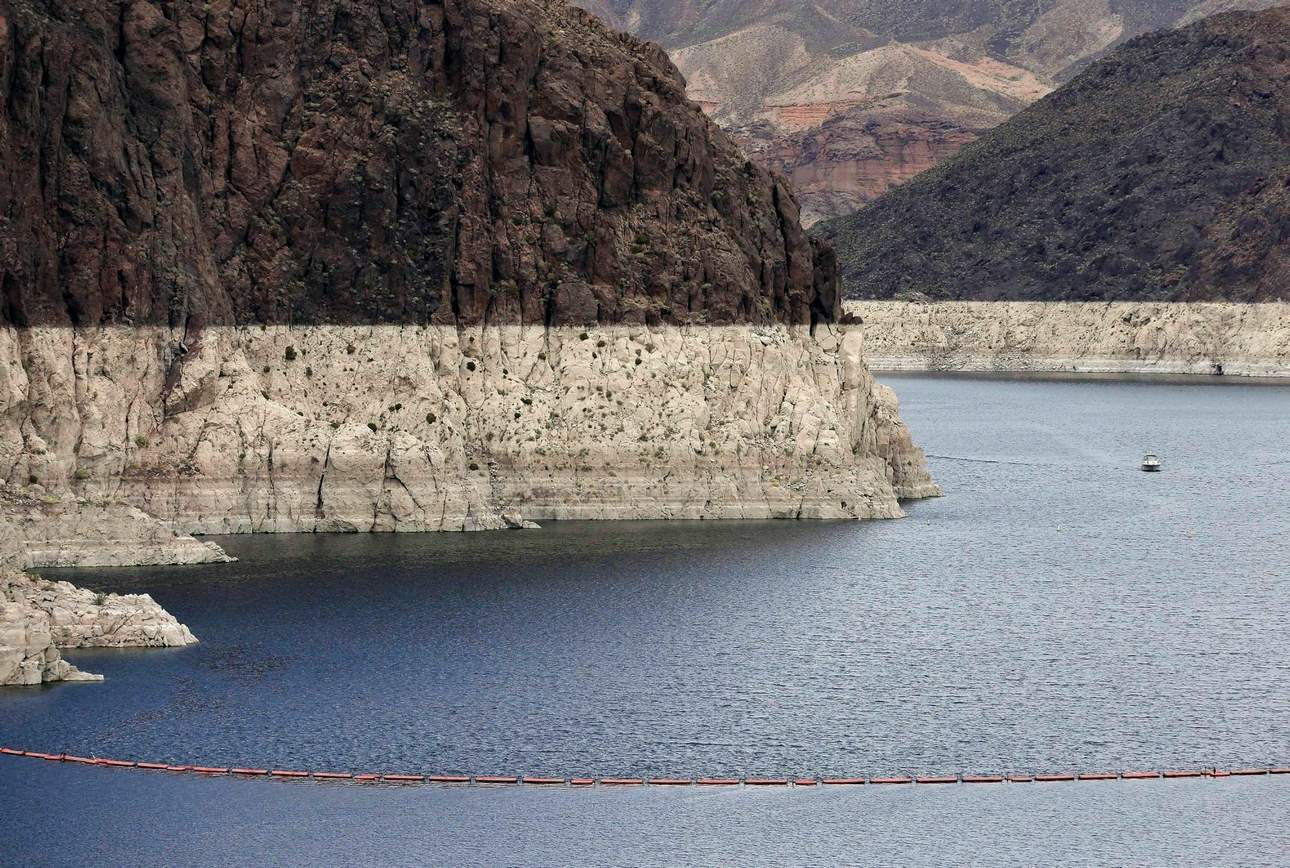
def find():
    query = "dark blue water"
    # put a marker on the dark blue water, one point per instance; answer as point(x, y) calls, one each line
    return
point(56, 815)
point(1058, 610)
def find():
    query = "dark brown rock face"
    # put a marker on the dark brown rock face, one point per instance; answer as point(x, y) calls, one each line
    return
point(243, 161)
point(1159, 174)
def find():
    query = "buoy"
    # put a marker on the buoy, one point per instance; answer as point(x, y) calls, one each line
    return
point(591, 781)
point(119, 764)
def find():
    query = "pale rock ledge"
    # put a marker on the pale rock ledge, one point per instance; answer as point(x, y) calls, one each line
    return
point(415, 428)
point(1235, 340)
point(64, 531)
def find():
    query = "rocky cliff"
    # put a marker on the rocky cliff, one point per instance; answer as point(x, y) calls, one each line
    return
point(1241, 340)
point(407, 266)
point(460, 162)
point(1158, 174)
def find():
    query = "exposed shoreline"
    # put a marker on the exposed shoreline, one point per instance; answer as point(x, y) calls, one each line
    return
point(407, 428)
point(1235, 340)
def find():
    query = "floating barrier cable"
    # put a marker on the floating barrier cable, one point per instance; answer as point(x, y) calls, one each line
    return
point(614, 782)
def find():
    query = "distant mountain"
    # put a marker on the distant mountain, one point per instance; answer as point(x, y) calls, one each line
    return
point(850, 97)
point(1159, 173)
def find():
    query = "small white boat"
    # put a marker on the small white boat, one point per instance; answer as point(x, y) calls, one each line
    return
point(1150, 463)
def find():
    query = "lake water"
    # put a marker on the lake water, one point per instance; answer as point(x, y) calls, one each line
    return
point(1059, 610)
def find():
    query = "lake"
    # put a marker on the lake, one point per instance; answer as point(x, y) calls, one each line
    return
point(1057, 611)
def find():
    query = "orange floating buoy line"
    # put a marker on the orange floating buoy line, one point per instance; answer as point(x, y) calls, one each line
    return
point(617, 782)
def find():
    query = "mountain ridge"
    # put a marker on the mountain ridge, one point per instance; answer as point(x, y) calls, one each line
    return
point(1160, 173)
point(740, 59)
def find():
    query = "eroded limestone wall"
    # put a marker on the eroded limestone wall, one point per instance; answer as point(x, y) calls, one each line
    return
point(382, 428)
point(1251, 340)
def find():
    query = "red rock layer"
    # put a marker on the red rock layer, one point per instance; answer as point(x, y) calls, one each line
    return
point(853, 157)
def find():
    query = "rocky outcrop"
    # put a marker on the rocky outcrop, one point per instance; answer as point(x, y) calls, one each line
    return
point(1247, 340)
point(424, 266)
point(38, 617)
point(907, 462)
point(28, 655)
point(81, 618)
point(1159, 174)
